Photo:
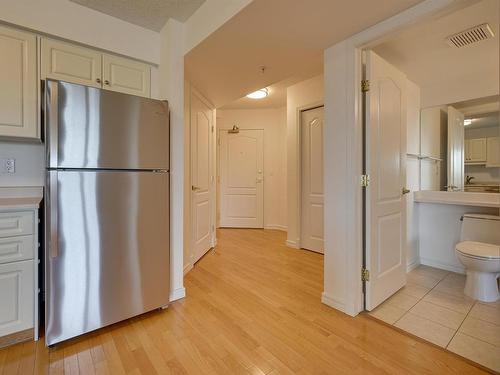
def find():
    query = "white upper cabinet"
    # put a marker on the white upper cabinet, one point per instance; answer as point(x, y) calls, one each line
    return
point(18, 83)
point(475, 151)
point(67, 62)
point(493, 152)
point(125, 75)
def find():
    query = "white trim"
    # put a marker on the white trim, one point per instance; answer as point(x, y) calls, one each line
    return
point(343, 155)
point(177, 294)
point(441, 266)
point(276, 227)
point(293, 244)
point(412, 265)
point(188, 267)
point(335, 303)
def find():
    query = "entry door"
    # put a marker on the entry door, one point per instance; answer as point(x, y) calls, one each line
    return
point(242, 179)
point(385, 164)
point(201, 189)
point(455, 149)
point(311, 237)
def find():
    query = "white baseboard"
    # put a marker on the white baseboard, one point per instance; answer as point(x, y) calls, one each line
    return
point(412, 265)
point(443, 266)
point(188, 267)
point(336, 304)
point(293, 244)
point(178, 293)
point(276, 227)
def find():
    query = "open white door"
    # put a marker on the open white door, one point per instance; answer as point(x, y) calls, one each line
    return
point(241, 179)
point(311, 223)
point(385, 165)
point(455, 149)
point(201, 143)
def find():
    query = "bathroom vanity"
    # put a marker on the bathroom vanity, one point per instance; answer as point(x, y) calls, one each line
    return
point(438, 223)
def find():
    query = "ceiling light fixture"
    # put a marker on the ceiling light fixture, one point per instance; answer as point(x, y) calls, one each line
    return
point(467, 121)
point(259, 94)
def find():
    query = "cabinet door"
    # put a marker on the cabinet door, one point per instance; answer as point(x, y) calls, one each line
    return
point(493, 152)
point(71, 63)
point(17, 290)
point(18, 84)
point(477, 150)
point(127, 76)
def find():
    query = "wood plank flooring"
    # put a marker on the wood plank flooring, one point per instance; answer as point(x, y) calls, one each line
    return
point(252, 307)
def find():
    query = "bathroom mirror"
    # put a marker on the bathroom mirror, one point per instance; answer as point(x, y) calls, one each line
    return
point(460, 146)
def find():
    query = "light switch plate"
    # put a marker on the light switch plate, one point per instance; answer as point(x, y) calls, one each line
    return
point(8, 166)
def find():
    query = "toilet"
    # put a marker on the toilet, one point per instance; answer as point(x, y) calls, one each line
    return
point(479, 252)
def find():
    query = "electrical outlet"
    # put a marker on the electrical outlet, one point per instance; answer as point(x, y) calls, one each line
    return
point(9, 165)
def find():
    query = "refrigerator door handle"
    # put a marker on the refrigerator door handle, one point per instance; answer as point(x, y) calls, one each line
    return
point(51, 122)
point(54, 249)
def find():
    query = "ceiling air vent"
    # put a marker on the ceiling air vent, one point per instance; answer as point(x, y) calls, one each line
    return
point(470, 36)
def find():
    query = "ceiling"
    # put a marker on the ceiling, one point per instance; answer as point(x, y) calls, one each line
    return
point(484, 112)
point(421, 52)
point(287, 37)
point(150, 14)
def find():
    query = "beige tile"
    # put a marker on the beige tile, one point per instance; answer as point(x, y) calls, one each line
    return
point(422, 280)
point(401, 300)
point(481, 330)
point(426, 329)
point(453, 284)
point(438, 314)
point(452, 302)
point(387, 313)
point(476, 350)
point(486, 312)
point(415, 290)
point(435, 273)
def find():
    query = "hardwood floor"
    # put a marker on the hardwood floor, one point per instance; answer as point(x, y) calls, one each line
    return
point(253, 307)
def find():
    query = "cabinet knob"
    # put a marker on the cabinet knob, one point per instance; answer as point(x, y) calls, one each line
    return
point(106, 82)
point(98, 80)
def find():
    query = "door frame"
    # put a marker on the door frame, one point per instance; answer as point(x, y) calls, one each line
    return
point(343, 71)
point(191, 91)
point(300, 110)
point(218, 174)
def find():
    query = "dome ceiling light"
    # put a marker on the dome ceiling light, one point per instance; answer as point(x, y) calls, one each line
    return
point(259, 94)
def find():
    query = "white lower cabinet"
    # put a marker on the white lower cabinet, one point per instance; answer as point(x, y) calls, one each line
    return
point(17, 296)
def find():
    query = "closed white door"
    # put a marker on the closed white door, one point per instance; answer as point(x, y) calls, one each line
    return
point(242, 179)
point(385, 164)
point(201, 177)
point(456, 149)
point(18, 84)
point(311, 123)
point(126, 75)
point(71, 63)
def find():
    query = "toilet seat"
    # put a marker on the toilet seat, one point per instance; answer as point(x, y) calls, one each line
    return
point(479, 250)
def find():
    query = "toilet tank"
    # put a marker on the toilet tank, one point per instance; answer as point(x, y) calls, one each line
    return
point(481, 228)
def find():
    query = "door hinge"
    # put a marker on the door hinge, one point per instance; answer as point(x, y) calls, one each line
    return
point(365, 180)
point(365, 274)
point(212, 128)
point(365, 85)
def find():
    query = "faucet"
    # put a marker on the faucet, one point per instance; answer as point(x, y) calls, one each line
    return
point(468, 180)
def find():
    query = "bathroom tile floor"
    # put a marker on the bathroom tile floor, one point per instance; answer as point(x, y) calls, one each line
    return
point(434, 307)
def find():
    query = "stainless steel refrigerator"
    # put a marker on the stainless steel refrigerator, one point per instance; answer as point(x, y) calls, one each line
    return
point(106, 208)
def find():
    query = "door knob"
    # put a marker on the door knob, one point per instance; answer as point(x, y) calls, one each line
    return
point(405, 191)
point(195, 188)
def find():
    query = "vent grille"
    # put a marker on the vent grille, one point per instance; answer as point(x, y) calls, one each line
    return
point(470, 36)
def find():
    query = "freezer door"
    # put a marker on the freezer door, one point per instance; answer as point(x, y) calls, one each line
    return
point(107, 255)
point(86, 127)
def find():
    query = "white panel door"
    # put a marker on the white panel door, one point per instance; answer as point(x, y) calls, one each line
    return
point(201, 177)
point(17, 296)
point(71, 63)
point(126, 75)
point(18, 84)
point(456, 149)
point(241, 179)
point(385, 163)
point(311, 226)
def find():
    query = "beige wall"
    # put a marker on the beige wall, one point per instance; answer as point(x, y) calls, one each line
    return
point(273, 122)
point(301, 96)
